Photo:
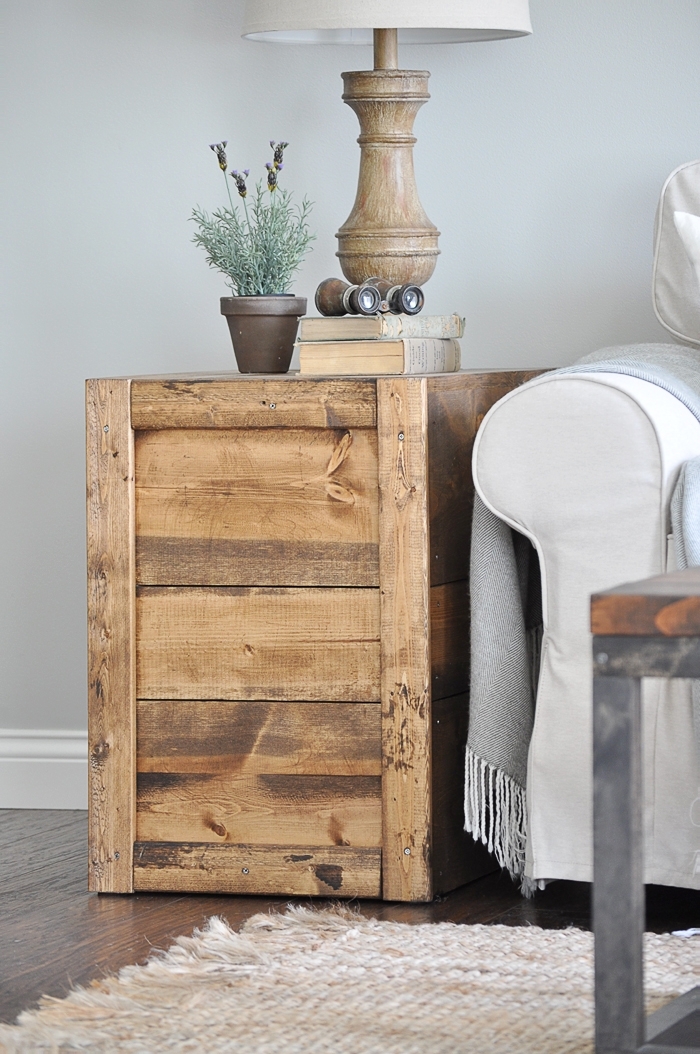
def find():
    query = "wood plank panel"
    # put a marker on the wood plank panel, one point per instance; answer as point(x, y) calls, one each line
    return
point(253, 402)
point(274, 644)
point(257, 507)
point(220, 561)
point(297, 871)
point(405, 621)
point(457, 858)
point(111, 666)
point(449, 639)
point(263, 810)
point(456, 407)
point(250, 738)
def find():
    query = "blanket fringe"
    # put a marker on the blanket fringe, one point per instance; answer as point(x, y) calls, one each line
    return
point(495, 814)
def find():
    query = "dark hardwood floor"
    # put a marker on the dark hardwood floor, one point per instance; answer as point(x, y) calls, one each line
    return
point(54, 934)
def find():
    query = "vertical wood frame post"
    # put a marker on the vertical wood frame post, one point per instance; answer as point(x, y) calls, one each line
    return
point(111, 636)
point(618, 889)
point(402, 424)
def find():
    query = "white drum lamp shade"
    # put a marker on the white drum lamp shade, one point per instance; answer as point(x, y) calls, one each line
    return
point(352, 21)
point(387, 233)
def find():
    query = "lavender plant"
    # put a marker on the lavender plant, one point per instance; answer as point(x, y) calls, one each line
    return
point(260, 249)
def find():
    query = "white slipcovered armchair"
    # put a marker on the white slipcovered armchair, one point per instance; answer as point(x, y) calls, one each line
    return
point(584, 465)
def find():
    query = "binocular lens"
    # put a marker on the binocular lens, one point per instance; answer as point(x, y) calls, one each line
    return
point(368, 299)
point(408, 299)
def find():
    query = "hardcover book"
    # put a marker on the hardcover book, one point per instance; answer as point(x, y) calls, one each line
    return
point(381, 327)
point(410, 355)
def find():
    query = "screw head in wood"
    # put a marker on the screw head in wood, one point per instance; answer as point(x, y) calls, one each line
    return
point(106, 428)
point(401, 437)
point(273, 405)
point(407, 851)
point(244, 870)
point(116, 855)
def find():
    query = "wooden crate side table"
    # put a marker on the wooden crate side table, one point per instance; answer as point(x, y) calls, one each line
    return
point(643, 629)
point(278, 632)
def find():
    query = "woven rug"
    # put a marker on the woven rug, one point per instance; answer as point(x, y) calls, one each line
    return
point(330, 980)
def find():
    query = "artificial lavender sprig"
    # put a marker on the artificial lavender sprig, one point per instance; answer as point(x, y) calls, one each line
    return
point(239, 179)
point(271, 177)
point(261, 251)
point(220, 151)
point(278, 154)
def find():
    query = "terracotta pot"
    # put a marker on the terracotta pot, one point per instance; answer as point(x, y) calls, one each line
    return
point(263, 330)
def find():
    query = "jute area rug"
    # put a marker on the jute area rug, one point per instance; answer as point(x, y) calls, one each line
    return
point(330, 980)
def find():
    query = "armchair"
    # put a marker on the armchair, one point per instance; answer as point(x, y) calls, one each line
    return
point(583, 463)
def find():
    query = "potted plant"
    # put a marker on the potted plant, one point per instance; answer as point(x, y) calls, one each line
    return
point(259, 250)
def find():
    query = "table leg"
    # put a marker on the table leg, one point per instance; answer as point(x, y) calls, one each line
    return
point(618, 891)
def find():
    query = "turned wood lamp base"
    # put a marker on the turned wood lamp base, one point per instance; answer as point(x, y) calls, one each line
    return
point(387, 234)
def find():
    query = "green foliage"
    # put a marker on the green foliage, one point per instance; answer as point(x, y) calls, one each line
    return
point(259, 249)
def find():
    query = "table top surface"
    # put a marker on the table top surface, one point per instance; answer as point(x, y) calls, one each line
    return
point(662, 606)
point(205, 377)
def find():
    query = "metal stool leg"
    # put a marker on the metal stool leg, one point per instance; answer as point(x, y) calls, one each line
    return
point(618, 891)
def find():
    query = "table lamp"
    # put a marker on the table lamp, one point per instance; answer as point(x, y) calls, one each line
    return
point(387, 233)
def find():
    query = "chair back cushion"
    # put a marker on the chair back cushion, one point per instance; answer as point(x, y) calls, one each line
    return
point(676, 279)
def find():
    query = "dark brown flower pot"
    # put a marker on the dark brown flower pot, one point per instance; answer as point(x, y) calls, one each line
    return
point(263, 330)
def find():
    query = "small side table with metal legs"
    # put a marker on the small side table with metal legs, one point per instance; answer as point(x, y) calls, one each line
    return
point(643, 629)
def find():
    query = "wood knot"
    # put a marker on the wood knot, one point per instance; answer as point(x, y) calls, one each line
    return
point(339, 492)
point(99, 753)
point(334, 489)
point(218, 828)
point(330, 874)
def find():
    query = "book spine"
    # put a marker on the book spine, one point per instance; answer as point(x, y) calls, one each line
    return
point(430, 355)
point(442, 326)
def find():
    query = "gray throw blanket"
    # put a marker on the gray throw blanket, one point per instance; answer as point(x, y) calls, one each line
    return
point(505, 630)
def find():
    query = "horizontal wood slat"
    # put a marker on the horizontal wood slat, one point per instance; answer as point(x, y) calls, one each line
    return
point(301, 871)
point(263, 810)
point(249, 738)
point(257, 507)
point(275, 644)
point(219, 561)
point(253, 402)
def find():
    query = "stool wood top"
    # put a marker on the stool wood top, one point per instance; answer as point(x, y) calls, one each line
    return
point(663, 606)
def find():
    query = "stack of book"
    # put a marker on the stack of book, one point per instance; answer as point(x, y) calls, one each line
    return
point(368, 344)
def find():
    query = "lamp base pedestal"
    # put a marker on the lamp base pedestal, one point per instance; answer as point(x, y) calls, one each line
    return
point(387, 233)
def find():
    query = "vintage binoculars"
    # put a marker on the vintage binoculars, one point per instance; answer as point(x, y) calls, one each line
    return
point(335, 297)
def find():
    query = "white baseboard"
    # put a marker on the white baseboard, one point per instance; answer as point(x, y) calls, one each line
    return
point(44, 769)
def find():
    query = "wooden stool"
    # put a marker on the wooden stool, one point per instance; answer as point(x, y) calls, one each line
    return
point(643, 629)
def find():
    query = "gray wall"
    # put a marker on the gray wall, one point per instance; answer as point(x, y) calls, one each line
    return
point(539, 159)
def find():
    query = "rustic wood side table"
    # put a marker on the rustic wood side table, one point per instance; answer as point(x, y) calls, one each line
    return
point(643, 629)
point(278, 632)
